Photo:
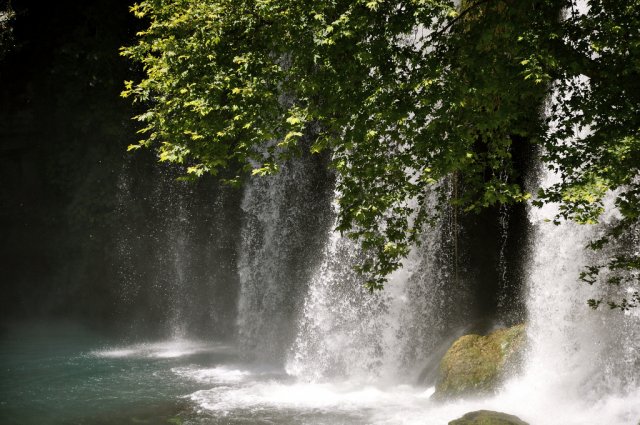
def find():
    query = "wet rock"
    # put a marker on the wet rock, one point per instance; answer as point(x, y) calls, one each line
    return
point(476, 365)
point(488, 417)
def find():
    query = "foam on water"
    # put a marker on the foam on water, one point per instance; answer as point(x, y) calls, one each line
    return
point(319, 397)
point(162, 350)
point(215, 375)
point(409, 405)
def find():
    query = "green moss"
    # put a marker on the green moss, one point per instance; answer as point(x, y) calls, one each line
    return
point(476, 365)
point(487, 417)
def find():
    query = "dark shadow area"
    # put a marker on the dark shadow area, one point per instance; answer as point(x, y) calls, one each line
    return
point(84, 225)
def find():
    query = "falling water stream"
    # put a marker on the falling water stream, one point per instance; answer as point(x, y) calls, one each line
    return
point(356, 356)
point(346, 333)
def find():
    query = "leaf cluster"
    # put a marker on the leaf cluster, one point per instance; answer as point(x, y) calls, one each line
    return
point(404, 94)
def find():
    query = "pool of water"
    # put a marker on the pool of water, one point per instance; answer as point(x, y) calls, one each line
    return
point(65, 374)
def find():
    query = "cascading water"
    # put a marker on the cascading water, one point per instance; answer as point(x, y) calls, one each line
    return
point(270, 270)
point(347, 333)
point(351, 351)
point(583, 366)
point(354, 351)
point(361, 358)
point(178, 233)
point(284, 214)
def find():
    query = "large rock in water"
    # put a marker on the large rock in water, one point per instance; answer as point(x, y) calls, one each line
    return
point(487, 417)
point(476, 365)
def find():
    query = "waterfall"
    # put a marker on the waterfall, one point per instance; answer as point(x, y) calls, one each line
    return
point(302, 303)
point(345, 332)
point(340, 325)
point(302, 307)
point(177, 258)
point(583, 366)
point(286, 216)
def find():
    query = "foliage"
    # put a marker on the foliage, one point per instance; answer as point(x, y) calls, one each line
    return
point(404, 94)
point(7, 15)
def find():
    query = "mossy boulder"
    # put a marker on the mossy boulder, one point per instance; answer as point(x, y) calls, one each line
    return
point(476, 365)
point(487, 417)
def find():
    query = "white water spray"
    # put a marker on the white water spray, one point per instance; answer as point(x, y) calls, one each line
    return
point(347, 333)
point(583, 366)
point(278, 247)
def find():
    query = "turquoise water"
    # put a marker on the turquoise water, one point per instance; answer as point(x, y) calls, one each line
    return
point(64, 374)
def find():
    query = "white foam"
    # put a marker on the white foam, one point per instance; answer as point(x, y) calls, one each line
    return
point(305, 396)
point(216, 375)
point(407, 405)
point(161, 350)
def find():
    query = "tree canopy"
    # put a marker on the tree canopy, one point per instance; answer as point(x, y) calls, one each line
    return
point(404, 94)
